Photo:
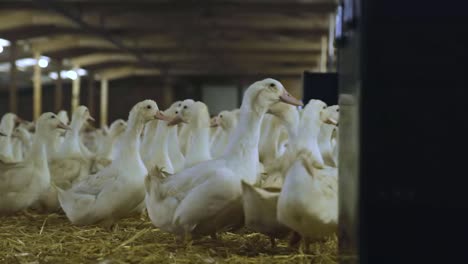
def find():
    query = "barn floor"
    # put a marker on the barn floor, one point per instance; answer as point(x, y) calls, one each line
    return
point(32, 238)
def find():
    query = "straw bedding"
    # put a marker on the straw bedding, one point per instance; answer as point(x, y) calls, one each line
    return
point(34, 238)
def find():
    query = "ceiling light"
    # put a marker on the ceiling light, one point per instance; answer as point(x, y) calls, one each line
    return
point(4, 42)
point(43, 63)
point(72, 75)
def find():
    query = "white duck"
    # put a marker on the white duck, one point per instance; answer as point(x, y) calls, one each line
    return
point(107, 145)
point(108, 142)
point(159, 154)
point(118, 189)
point(326, 136)
point(260, 203)
point(197, 120)
point(7, 125)
point(25, 138)
point(205, 198)
point(175, 153)
point(226, 121)
point(260, 212)
point(312, 210)
point(21, 183)
point(184, 130)
point(308, 201)
point(69, 164)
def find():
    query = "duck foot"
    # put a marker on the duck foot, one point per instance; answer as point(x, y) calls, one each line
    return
point(214, 237)
point(305, 246)
point(273, 242)
point(109, 225)
point(294, 239)
point(187, 239)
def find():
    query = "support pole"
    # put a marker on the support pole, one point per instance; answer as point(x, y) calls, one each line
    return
point(75, 100)
point(37, 88)
point(104, 92)
point(331, 48)
point(13, 70)
point(91, 106)
point(58, 92)
point(323, 55)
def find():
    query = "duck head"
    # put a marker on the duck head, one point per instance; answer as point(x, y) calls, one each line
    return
point(332, 115)
point(191, 113)
point(49, 122)
point(8, 123)
point(228, 119)
point(261, 95)
point(147, 110)
point(117, 127)
point(82, 113)
point(63, 116)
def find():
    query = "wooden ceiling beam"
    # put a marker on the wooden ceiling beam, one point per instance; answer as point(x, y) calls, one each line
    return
point(97, 58)
point(207, 7)
point(69, 41)
point(12, 18)
point(125, 71)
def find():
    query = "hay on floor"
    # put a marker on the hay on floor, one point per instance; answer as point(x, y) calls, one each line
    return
point(33, 238)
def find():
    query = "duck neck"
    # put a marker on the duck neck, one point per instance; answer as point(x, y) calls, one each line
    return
point(174, 143)
point(244, 141)
point(130, 145)
point(198, 149)
point(148, 137)
point(325, 134)
point(38, 153)
point(161, 149)
point(108, 145)
point(72, 137)
point(292, 125)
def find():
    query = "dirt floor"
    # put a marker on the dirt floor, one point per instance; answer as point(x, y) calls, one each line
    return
point(32, 238)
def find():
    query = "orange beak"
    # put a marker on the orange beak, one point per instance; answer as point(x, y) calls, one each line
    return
point(176, 120)
point(285, 97)
point(159, 115)
point(63, 126)
point(331, 121)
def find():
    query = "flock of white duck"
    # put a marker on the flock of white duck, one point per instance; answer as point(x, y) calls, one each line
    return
point(269, 166)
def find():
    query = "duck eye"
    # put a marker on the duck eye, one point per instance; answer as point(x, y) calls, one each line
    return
point(185, 107)
point(272, 85)
point(324, 107)
point(337, 109)
point(176, 112)
point(52, 117)
point(148, 106)
point(221, 116)
point(180, 104)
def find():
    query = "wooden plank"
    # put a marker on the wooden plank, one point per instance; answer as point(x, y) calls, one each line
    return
point(37, 88)
point(13, 72)
point(12, 18)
